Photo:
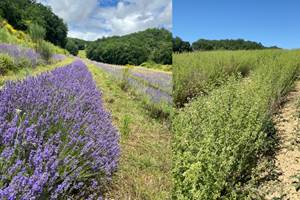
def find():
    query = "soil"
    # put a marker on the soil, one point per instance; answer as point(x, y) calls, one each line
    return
point(287, 157)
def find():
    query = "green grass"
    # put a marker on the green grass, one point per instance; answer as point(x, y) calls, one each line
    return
point(144, 169)
point(197, 73)
point(219, 137)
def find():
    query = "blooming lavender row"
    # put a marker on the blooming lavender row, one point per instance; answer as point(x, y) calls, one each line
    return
point(156, 85)
point(56, 139)
point(161, 80)
point(18, 53)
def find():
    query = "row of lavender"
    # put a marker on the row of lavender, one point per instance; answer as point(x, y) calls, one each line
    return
point(56, 139)
point(19, 53)
point(156, 85)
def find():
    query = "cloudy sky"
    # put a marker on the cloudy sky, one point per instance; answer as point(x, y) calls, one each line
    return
point(92, 19)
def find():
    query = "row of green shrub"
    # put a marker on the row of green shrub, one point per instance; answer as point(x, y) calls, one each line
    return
point(219, 137)
point(196, 74)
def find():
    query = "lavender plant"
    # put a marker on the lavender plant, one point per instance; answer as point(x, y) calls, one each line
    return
point(156, 85)
point(20, 55)
point(56, 139)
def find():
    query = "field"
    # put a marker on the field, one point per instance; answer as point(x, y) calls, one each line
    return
point(225, 124)
point(76, 128)
point(87, 129)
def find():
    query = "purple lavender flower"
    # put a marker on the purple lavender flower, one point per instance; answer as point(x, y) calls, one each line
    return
point(56, 138)
point(156, 85)
point(21, 53)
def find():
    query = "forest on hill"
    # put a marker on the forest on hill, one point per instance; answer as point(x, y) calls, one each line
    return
point(150, 45)
point(21, 14)
point(208, 45)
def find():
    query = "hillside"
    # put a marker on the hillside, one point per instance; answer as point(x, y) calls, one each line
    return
point(149, 45)
point(21, 14)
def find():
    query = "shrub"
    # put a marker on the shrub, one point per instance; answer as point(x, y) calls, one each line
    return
point(6, 64)
point(37, 33)
point(57, 140)
point(218, 137)
point(124, 83)
point(45, 51)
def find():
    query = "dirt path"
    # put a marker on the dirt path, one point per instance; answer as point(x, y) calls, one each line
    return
point(287, 158)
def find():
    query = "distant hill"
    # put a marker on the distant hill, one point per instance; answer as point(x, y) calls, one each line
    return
point(150, 45)
point(227, 44)
point(209, 45)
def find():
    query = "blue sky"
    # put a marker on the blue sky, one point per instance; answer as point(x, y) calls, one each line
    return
point(92, 19)
point(272, 22)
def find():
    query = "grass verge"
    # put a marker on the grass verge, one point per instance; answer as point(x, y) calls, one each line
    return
point(145, 163)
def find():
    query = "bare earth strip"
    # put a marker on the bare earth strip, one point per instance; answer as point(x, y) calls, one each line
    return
point(287, 158)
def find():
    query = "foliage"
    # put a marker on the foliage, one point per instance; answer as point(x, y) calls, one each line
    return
point(45, 50)
point(136, 48)
point(81, 44)
point(218, 137)
point(72, 47)
point(124, 83)
point(153, 65)
point(20, 14)
point(238, 44)
point(125, 129)
point(58, 141)
point(197, 73)
point(37, 33)
point(180, 46)
point(12, 36)
point(6, 64)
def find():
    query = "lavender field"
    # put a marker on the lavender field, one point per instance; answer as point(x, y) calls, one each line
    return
point(57, 140)
point(20, 53)
point(157, 85)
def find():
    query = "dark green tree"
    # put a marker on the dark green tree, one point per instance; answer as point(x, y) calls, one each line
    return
point(72, 47)
point(181, 46)
point(149, 45)
point(238, 44)
point(21, 13)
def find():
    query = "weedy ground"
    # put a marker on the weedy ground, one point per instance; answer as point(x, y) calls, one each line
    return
point(144, 168)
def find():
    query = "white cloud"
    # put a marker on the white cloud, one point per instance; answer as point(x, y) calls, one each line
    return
point(87, 20)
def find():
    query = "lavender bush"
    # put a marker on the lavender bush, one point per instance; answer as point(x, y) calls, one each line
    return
point(19, 54)
point(56, 139)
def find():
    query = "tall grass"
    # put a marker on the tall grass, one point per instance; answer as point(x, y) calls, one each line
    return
point(218, 137)
point(198, 73)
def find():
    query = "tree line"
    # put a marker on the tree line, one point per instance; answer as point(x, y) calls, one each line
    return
point(22, 13)
point(208, 45)
point(153, 44)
